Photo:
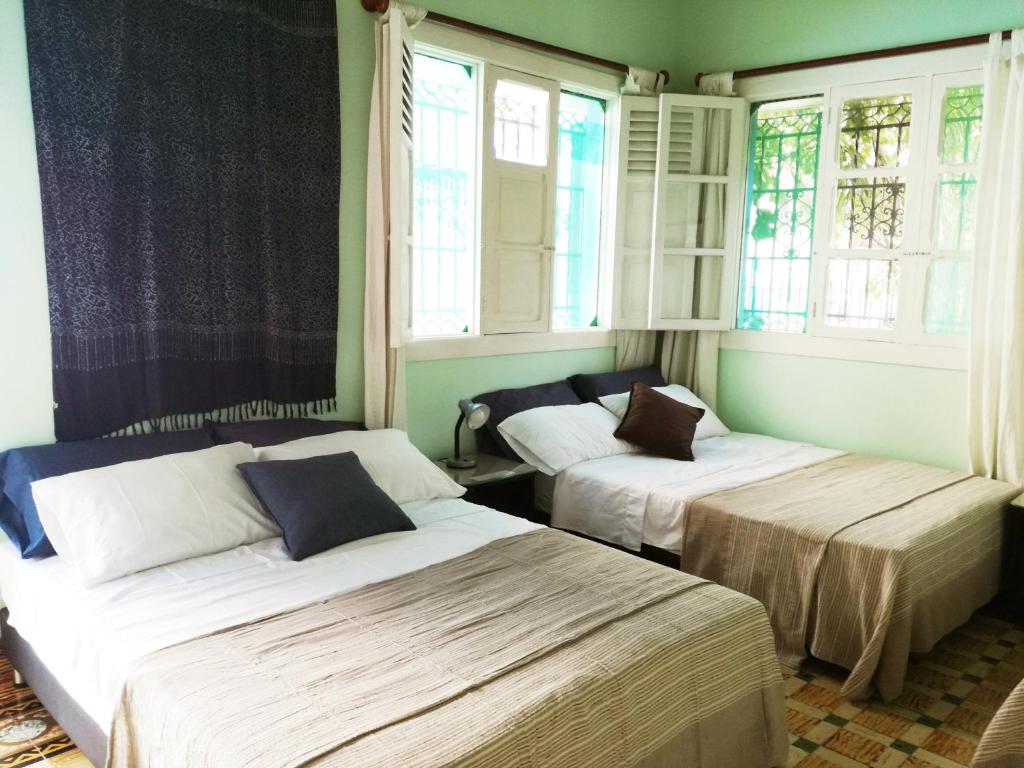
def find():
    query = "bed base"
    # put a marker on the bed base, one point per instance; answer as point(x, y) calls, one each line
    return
point(83, 730)
point(647, 552)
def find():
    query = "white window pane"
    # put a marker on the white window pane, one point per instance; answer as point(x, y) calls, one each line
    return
point(961, 125)
point(444, 197)
point(694, 214)
point(691, 287)
point(862, 293)
point(520, 123)
point(948, 296)
point(774, 282)
point(869, 213)
point(578, 211)
point(955, 212)
point(875, 133)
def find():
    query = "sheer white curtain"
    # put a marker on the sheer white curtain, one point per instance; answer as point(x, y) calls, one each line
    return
point(996, 374)
point(383, 365)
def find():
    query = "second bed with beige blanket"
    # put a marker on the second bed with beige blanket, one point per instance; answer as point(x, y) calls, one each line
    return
point(859, 559)
point(538, 649)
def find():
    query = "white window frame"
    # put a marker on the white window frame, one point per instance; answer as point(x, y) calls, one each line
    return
point(948, 67)
point(912, 176)
point(457, 45)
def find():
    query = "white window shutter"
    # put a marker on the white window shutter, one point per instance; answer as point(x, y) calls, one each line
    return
point(634, 211)
point(518, 226)
point(398, 78)
point(698, 191)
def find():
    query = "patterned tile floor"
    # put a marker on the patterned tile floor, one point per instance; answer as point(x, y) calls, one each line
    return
point(949, 698)
point(28, 735)
point(950, 695)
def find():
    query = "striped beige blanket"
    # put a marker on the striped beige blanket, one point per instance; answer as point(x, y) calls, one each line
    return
point(535, 650)
point(1002, 745)
point(863, 560)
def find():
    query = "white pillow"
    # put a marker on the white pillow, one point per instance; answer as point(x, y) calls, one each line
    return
point(555, 437)
point(402, 472)
point(708, 426)
point(113, 521)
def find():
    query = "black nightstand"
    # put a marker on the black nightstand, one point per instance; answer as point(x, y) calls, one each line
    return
point(501, 484)
point(1009, 603)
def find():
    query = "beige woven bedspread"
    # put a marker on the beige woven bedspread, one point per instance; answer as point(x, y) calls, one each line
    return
point(540, 650)
point(1002, 745)
point(860, 558)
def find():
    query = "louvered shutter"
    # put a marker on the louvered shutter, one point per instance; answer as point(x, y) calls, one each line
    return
point(398, 63)
point(696, 222)
point(637, 163)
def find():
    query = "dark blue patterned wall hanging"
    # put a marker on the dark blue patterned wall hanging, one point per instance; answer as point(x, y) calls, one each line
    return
point(189, 166)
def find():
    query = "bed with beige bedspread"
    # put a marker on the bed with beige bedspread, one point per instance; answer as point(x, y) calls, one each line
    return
point(1002, 744)
point(539, 649)
point(859, 560)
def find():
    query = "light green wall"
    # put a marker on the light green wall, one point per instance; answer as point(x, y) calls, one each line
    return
point(607, 28)
point(912, 413)
point(26, 414)
point(683, 36)
point(738, 34)
point(893, 410)
point(436, 386)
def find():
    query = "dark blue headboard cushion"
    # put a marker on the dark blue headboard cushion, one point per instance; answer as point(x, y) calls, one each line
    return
point(591, 386)
point(507, 402)
point(276, 431)
point(19, 467)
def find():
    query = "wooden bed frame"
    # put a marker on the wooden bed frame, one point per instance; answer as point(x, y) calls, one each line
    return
point(83, 730)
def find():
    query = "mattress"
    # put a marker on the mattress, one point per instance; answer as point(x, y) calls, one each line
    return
point(636, 499)
point(90, 638)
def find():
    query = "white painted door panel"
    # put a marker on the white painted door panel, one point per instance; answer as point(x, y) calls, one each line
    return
point(519, 183)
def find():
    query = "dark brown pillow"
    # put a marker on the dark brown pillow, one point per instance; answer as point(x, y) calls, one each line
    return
point(659, 424)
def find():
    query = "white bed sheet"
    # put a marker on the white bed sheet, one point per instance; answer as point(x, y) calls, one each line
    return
point(90, 637)
point(636, 499)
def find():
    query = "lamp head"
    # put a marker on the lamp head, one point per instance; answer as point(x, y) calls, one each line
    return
point(476, 414)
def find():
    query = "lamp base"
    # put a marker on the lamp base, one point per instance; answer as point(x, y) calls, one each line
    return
point(464, 462)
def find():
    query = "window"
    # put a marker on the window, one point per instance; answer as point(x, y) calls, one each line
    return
point(520, 123)
point(508, 191)
point(869, 210)
point(860, 212)
point(444, 197)
point(947, 296)
point(581, 155)
point(776, 274)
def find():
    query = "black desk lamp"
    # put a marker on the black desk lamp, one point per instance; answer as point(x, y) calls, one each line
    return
point(475, 415)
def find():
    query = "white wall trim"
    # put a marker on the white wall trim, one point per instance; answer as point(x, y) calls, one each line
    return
point(863, 350)
point(806, 82)
point(445, 347)
point(600, 82)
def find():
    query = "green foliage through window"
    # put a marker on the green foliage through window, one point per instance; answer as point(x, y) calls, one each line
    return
point(775, 276)
point(578, 210)
point(948, 300)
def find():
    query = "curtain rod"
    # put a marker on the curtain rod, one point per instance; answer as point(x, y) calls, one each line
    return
point(902, 50)
point(380, 6)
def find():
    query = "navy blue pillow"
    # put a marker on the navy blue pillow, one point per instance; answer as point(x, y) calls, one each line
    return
point(276, 431)
point(592, 386)
point(323, 501)
point(19, 467)
point(508, 402)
